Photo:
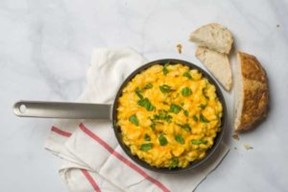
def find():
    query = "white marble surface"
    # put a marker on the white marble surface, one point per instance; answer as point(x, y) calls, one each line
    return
point(45, 49)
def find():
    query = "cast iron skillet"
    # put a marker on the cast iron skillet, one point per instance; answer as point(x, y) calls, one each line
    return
point(105, 111)
point(217, 139)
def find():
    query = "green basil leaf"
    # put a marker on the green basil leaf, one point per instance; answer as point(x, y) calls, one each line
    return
point(165, 88)
point(174, 162)
point(175, 108)
point(203, 119)
point(143, 102)
point(162, 140)
point(197, 142)
point(146, 104)
point(163, 115)
point(179, 139)
point(195, 118)
point(146, 146)
point(165, 69)
point(202, 106)
point(153, 125)
point(133, 119)
point(186, 91)
point(186, 113)
point(138, 92)
point(188, 75)
point(150, 107)
point(148, 86)
point(185, 126)
point(147, 137)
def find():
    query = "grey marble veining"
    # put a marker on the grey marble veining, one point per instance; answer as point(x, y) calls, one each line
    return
point(45, 50)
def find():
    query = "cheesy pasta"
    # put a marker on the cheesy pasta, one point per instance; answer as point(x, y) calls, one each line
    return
point(169, 115)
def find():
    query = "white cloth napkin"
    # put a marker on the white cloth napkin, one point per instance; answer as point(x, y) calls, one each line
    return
point(92, 158)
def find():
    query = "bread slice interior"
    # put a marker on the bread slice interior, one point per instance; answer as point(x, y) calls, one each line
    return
point(218, 64)
point(213, 36)
point(238, 94)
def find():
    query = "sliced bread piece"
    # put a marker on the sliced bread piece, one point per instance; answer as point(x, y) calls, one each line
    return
point(251, 99)
point(218, 64)
point(213, 36)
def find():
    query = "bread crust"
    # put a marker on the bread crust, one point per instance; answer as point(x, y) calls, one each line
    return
point(255, 92)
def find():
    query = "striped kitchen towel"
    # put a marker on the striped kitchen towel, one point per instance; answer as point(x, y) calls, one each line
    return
point(92, 158)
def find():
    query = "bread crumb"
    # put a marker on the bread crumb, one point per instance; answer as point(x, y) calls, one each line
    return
point(236, 137)
point(235, 148)
point(248, 147)
point(277, 25)
point(179, 48)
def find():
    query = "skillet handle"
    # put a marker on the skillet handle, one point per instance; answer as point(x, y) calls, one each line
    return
point(63, 110)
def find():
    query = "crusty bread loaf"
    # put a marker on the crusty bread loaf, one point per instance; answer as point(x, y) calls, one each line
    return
point(218, 64)
point(213, 36)
point(251, 88)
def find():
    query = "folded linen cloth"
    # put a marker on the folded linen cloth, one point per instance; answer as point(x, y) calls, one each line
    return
point(92, 158)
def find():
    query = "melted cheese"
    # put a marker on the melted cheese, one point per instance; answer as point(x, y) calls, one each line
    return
point(169, 115)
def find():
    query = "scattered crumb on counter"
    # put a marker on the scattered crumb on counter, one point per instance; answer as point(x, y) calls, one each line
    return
point(247, 146)
point(277, 25)
point(236, 137)
point(179, 48)
point(235, 148)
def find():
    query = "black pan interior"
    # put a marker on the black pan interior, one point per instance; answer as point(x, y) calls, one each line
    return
point(217, 140)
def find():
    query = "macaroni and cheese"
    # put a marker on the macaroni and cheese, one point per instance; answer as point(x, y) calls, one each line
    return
point(169, 115)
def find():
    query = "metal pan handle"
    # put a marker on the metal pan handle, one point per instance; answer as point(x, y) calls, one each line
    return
point(63, 110)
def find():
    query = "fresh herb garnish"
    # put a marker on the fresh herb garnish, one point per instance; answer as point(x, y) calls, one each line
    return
point(138, 92)
point(165, 88)
point(186, 91)
point(185, 126)
point(133, 119)
point(175, 108)
point(165, 69)
point(153, 124)
point(174, 162)
point(187, 74)
point(163, 115)
point(197, 142)
point(145, 102)
point(195, 118)
point(179, 139)
point(148, 86)
point(203, 119)
point(186, 113)
point(202, 106)
point(146, 146)
point(147, 137)
point(162, 140)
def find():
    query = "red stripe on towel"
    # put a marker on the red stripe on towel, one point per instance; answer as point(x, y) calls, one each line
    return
point(85, 172)
point(91, 180)
point(122, 158)
point(61, 132)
